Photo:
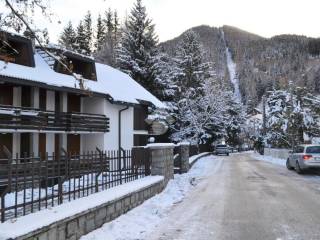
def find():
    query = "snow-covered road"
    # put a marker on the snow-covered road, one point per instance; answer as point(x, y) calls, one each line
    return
point(145, 219)
point(236, 197)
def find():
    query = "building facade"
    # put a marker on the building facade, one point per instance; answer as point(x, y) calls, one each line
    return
point(72, 105)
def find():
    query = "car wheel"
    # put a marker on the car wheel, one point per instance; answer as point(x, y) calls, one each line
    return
point(227, 154)
point(288, 165)
point(298, 168)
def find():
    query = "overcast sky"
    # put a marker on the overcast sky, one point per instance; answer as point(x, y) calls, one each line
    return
point(264, 17)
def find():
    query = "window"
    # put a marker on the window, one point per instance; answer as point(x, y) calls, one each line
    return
point(140, 140)
point(5, 140)
point(82, 66)
point(43, 99)
point(140, 115)
point(221, 146)
point(298, 149)
point(6, 95)
point(313, 149)
point(25, 144)
point(16, 49)
point(26, 96)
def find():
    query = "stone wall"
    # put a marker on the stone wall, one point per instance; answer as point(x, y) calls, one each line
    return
point(161, 157)
point(74, 227)
point(277, 153)
point(184, 157)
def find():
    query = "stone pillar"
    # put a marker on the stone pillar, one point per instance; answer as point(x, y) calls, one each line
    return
point(184, 157)
point(161, 158)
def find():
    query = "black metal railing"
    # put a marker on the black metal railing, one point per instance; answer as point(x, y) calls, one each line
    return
point(35, 119)
point(29, 184)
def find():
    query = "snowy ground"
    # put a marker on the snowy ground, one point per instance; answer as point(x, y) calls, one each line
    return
point(278, 161)
point(195, 157)
point(139, 222)
point(23, 225)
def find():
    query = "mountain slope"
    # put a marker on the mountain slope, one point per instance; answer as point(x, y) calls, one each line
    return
point(261, 64)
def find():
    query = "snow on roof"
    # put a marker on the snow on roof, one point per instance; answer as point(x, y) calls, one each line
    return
point(120, 86)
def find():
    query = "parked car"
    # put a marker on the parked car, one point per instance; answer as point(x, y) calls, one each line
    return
point(222, 149)
point(231, 149)
point(304, 157)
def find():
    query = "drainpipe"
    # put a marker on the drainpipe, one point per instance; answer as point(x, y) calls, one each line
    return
point(119, 139)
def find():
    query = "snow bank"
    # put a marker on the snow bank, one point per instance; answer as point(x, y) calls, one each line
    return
point(139, 222)
point(29, 223)
point(160, 145)
point(235, 153)
point(196, 157)
point(278, 161)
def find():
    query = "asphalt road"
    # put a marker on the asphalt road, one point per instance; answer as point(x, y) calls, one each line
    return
point(247, 199)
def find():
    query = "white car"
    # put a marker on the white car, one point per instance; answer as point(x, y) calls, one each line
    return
point(304, 157)
point(222, 149)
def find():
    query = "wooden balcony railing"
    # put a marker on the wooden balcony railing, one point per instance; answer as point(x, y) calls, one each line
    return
point(19, 118)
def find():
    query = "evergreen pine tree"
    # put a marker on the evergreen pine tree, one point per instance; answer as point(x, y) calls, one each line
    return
point(235, 119)
point(137, 53)
point(200, 101)
point(109, 21)
point(106, 54)
point(100, 37)
point(192, 70)
point(81, 41)
point(68, 37)
point(87, 25)
point(116, 26)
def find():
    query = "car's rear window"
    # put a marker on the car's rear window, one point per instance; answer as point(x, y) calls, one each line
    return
point(313, 149)
point(221, 146)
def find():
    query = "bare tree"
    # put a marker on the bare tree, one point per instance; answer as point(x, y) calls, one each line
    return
point(19, 16)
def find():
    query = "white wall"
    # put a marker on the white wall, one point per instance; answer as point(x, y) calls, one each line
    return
point(35, 144)
point(94, 105)
point(277, 153)
point(127, 128)
point(50, 100)
point(16, 144)
point(108, 141)
point(111, 138)
point(89, 142)
point(50, 143)
point(17, 96)
point(64, 102)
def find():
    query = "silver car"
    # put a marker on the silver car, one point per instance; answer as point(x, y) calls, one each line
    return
point(304, 157)
point(222, 149)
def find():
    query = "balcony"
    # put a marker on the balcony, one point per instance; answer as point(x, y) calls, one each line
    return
point(18, 118)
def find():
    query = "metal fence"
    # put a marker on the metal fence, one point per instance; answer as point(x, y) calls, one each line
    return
point(29, 184)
